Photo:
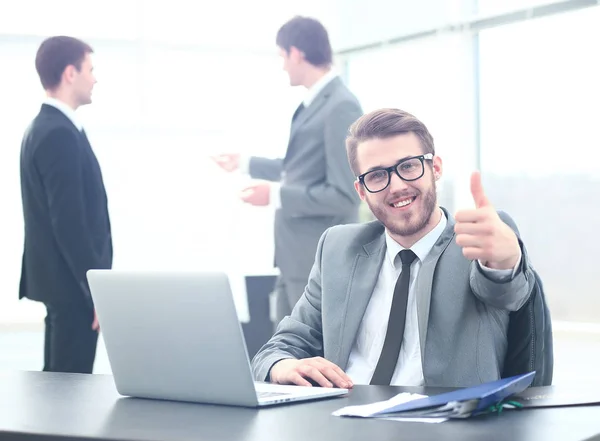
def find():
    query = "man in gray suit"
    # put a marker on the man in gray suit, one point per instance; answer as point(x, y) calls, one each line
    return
point(312, 187)
point(415, 298)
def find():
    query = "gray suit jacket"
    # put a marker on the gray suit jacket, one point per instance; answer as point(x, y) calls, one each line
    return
point(462, 315)
point(317, 189)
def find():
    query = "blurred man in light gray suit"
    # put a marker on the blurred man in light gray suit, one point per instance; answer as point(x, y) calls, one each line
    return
point(417, 297)
point(312, 187)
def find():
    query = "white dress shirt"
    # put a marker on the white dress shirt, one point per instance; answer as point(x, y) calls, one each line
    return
point(64, 108)
point(311, 94)
point(371, 333)
point(316, 88)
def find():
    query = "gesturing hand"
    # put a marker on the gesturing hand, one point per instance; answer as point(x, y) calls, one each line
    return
point(228, 161)
point(483, 235)
point(258, 193)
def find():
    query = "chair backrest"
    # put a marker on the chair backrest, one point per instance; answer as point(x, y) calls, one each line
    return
point(530, 343)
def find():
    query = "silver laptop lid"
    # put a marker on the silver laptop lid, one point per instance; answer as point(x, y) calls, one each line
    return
point(173, 335)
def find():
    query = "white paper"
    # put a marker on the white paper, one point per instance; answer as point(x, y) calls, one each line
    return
point(415, 420)
point(368, 410)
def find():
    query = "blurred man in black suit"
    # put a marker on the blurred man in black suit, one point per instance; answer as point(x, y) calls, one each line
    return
point(67, 226)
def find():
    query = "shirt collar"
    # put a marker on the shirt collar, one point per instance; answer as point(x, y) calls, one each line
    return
point(66, 110)
point(314, 90)
point(421, 248)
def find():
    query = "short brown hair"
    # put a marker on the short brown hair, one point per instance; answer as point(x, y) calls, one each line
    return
point(55, 54)
point(385, 123)
point(309, 36)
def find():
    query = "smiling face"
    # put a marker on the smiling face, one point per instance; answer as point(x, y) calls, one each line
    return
point(406, 208)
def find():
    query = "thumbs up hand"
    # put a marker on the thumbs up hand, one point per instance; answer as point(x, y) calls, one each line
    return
point(482, 234)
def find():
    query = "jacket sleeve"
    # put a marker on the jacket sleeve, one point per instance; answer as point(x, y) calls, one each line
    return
point(300, 334)
point(509, 294)
point(266, 168)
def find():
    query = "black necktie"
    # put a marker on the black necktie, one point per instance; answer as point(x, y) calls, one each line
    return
point(395, 330)
point(298, 111)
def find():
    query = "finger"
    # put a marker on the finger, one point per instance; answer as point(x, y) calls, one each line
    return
point(297, 379)
point(332, 375)
point(224, 162)
point(473, 253)
point(479, 229)
point(308, 371)
point(469, 241)
point(221, 160)
point(250, 187)
point(341, 374)
point(479, 196)
point(477, 215)
point(246, 194)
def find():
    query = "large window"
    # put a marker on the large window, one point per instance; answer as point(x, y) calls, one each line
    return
point(533, 86)
point(488, 7)
point(540, 148)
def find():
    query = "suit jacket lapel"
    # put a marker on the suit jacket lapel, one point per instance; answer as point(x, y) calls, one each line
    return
point(424, 282)
point(366, 267)
point(314, 107)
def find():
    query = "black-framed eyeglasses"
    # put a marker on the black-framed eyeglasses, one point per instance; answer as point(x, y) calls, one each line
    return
point(409, 169)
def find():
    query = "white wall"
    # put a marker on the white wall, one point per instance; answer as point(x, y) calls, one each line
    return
point(226, 24)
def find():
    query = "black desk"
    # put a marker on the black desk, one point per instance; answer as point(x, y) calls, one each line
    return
point(46, 406)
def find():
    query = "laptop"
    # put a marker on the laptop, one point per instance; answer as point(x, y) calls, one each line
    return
point(176, 336)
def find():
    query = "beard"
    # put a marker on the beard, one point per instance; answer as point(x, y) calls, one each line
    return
point(410, 222)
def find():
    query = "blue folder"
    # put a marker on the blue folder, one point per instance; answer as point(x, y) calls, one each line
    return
point(462, 402)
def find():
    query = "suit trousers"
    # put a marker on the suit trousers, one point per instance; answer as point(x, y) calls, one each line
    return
point(286, 294)
point(69, 340)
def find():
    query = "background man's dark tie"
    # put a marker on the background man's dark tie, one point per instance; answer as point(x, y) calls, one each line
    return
point(298, 111)
point(395, 330)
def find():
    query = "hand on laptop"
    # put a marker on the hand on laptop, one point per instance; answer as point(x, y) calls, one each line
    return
point(317, 369)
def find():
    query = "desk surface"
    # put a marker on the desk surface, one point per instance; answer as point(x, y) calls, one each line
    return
point(46, 406)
